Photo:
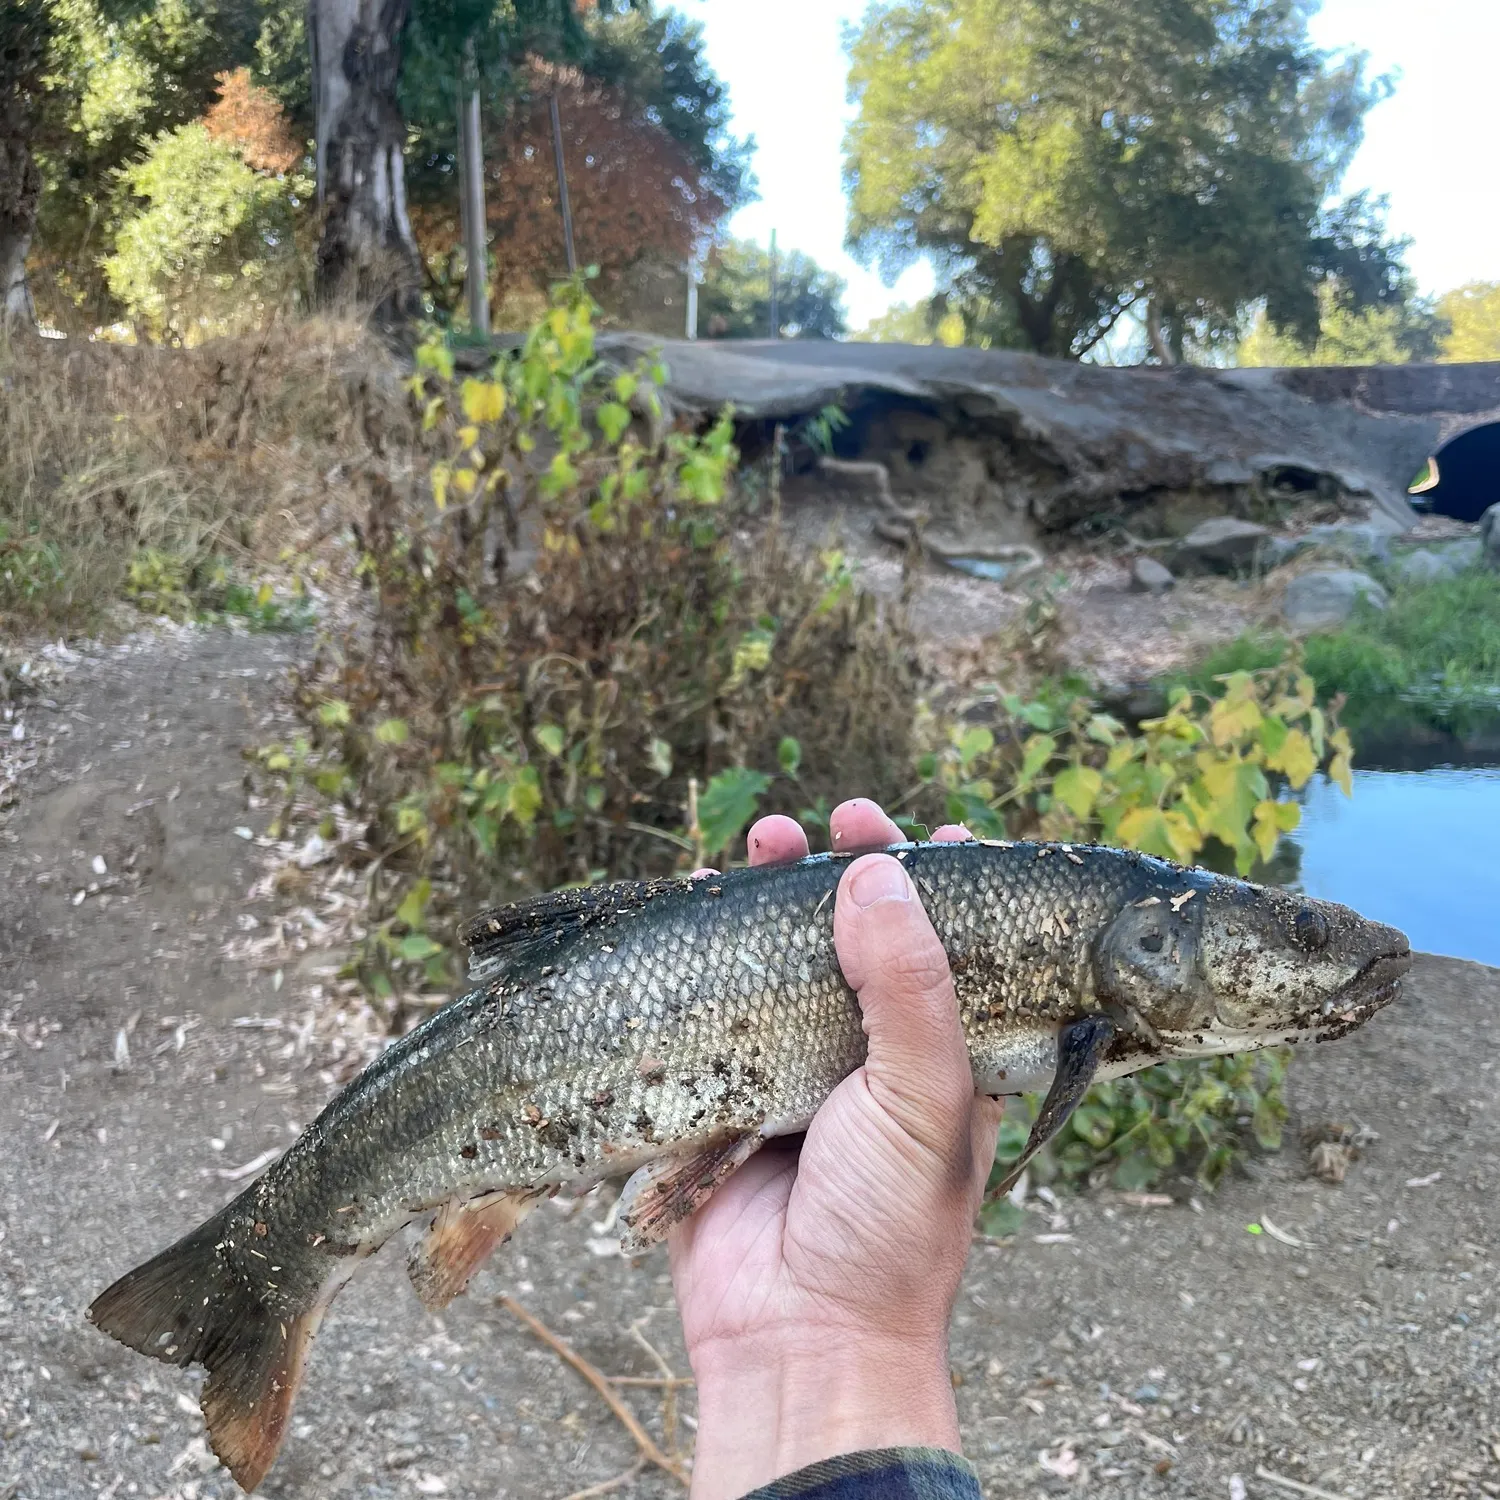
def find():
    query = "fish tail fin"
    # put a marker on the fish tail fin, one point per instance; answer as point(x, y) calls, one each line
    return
point(185, 1306)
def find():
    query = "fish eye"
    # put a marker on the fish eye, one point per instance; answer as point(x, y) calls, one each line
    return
point(1310, 930)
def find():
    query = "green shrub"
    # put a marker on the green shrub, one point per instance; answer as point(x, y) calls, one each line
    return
point(1433, 656)
point(621, 707)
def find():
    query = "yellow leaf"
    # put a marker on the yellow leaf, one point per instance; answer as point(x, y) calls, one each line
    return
point(1340, 773)
point(1153, 831)
point(467, 436)
point(430, 413)
point(483, 400)
point(1272, 819)
point(441, 474)
point(1296, 758)
point(465, 480)
point(1231, 720)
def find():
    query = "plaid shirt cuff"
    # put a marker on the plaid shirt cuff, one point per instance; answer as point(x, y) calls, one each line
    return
point(879, 1474)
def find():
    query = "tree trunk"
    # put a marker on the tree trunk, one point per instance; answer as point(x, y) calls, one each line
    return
point(1156, 336)
point(20, 191)
point(23, 53)
point(367, 252)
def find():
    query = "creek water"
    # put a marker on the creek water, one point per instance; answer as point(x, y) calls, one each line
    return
point(1419, 849)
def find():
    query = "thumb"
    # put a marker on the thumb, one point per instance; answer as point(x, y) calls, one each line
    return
point(918, 1065)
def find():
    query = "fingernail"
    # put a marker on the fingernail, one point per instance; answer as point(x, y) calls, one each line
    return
point(879, 880)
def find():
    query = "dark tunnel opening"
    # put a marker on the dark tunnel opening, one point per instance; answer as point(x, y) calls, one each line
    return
point(1462, 479)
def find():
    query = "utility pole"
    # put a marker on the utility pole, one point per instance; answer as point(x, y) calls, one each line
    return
point(471, 188)
point(562, 185)
point(775, 300)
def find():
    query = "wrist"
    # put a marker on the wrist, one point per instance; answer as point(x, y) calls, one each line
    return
point(767, 1408)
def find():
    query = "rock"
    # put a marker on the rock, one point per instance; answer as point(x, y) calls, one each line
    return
point(1147, 576)
point(1426, 565)
point(1359, 541)
point(1356, 539)
point(1223, 544)
point(1314, 600)
point(1489, 537)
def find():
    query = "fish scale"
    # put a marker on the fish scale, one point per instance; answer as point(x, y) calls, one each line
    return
point(664, 1029)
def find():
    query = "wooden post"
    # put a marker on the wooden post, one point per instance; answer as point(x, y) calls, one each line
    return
point(471, 215)
point(775, 299)
point(562, 186)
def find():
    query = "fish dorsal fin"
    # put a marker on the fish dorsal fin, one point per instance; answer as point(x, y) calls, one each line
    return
point(528, 928)
point(1081, 1046)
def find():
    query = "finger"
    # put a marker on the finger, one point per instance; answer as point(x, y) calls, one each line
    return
point(703, 873)
point(918, 1066)
point(776, 840)
point(952, 833)
point(984, 1127)
point(861, 824)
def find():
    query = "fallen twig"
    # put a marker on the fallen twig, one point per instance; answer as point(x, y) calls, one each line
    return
point(656, 1380)
point(606, 1485)
point(600, 1382)
point(1296, 1485)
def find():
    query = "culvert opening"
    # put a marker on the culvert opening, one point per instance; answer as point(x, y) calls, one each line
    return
point(1462, 479)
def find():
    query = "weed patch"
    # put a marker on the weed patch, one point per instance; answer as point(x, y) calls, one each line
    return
point(135, 473)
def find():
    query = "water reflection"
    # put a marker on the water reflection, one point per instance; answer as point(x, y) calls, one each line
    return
point(1418, 849)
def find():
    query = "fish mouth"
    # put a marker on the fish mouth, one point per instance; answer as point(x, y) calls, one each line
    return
point(1373, 988)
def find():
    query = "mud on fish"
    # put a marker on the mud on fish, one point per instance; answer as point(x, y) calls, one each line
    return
point(665, 1030)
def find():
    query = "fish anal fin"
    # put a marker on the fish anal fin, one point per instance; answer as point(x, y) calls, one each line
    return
point(1081, 1046)
point(666, 1191)
point(460, 1240)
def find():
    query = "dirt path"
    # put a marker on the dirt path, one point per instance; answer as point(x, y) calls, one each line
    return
point(1113, 1350)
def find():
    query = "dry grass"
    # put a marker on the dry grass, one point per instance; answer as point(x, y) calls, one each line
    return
point(237, 449)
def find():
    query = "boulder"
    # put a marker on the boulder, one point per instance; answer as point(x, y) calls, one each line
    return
point(1423, 566)
point(1489, 537)
point(1224, 544)
point(1316, 600)
point(1147, 576)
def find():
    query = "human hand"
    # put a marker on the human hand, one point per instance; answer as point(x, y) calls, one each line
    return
point(816, 1285)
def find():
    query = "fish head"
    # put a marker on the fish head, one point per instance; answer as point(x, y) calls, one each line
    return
point(1222, 965)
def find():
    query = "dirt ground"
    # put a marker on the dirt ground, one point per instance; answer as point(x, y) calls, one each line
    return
point(1113, 1350)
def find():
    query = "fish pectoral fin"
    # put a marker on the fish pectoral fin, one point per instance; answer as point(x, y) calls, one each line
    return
point(460, 1239)
point(1081, 1046)
point(666, 1191)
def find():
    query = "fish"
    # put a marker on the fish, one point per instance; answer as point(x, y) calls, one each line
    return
point(664, 1030)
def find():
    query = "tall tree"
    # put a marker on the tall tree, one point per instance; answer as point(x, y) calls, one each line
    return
point(1473, 315)
point(734, 301)
point(1067, 161)
point(361, 99)
point(24, 49)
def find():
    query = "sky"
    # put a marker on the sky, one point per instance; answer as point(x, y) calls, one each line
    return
point(1433, 147)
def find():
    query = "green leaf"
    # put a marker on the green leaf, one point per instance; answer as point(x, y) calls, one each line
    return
point(392, 732)
point(1094, 1124)
point(334, 713)
point(972, 743)
point(660, 757)
point(613, 419)
point(549, 737)
point(1078, 788)
point(789, 753)
point(727, 805)
point(414, 904)
point(416, 946)
point(1001, 1219)
point(1039, 749)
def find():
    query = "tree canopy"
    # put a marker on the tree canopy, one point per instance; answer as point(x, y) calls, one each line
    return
point(734, 301)
point(1064, 161)
point(1473, 317)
